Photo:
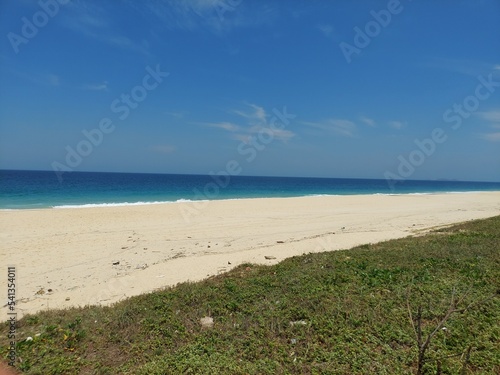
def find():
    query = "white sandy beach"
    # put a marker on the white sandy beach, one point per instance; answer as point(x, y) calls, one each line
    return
point(64, 257)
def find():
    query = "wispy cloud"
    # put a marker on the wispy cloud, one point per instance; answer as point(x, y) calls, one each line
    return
point(245, 138)
point(398, 125)
point(44, 79)
point(53, 80)
point(94, 22)
point(179, 114)
point(491, 116)
point(341, 127)
point(96, 87)
point(254, 119)
point(254, 114)
point(461, 66)
point(491, 137)
point(368, 121)
point(163, 149)
point(327, 30)
point(218, 16)
point(225, 126)
point(282, 135)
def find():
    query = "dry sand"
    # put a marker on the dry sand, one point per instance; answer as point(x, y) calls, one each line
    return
point(69, 257)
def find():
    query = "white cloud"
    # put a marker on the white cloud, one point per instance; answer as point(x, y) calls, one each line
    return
point(91, 20)
point(461, 66)
point(217, 16)
point(255, 119)
point(96, 87)
point(279, 134)
point(225, 125)
point(245, 138)
point(53, 80)
point(398, 124)
point(45, 79)
point(283, 134)
point(367, 121)
point(492, 137)
point(259, 112)
point(163, 149)
point(327, 30)
point(493, 119)
point(492, 116)
point(176, 114)
point(341, 127)
point(256, 115)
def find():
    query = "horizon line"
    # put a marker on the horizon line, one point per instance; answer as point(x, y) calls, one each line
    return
point(264, 176)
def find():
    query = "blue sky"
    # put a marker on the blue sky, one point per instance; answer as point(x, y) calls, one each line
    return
point(364, 83)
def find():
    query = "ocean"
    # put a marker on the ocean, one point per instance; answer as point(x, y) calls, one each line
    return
point(42, 189)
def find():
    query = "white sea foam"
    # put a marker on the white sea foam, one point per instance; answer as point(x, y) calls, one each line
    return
point(182, 200)
point(323, 195)
point(397, 194)
point(93, 205)
point(469, 192)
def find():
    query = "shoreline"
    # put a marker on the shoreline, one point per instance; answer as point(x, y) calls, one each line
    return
point(71, 257)
point(182, 200)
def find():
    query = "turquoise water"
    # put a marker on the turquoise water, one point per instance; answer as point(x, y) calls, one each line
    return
point(42, 189)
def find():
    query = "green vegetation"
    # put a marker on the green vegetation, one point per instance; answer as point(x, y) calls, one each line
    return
point(341, 312)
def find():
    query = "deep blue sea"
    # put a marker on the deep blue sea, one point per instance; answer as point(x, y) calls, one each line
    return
point(40, 189)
